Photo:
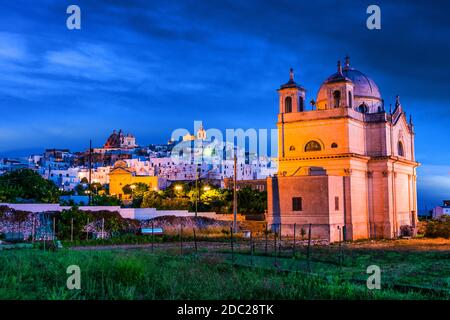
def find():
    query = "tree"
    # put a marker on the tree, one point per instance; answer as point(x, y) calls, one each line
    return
point(105, 200)
point(137, 190)
point(27, 185)
point(95, 187)
point(251, 201)
point(84, 180)
point(80, 189)
point(64, 224)
point(127, 189)
point(152, 199)
point(216, 200)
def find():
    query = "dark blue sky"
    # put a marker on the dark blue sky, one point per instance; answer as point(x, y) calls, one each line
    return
point(150, 67)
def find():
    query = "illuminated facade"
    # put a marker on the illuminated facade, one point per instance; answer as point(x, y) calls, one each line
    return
point(347, 166)
point(121, 175)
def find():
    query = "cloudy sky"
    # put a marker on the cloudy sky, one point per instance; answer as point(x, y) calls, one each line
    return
point(149, 67)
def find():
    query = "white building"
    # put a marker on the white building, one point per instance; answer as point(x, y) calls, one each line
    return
point(66, 179)
point(441, 210)
point(98, 175)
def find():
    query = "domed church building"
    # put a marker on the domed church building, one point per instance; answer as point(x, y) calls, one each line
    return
point(346, 165)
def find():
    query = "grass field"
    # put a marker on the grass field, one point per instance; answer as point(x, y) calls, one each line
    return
point(139, 274)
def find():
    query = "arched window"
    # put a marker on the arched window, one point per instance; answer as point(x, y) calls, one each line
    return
point(350, 99)
point(288, 105)
point(400, 150)
point(313, 146)
point(337, 98)
point(300, 104)
point(334, 145)
point(291, 148)
point(362, 108)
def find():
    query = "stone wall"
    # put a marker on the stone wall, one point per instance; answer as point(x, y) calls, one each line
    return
point(30, 227)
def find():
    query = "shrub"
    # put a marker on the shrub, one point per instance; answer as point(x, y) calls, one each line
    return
point(406, 230)
point(114, 223)
point(439, 228)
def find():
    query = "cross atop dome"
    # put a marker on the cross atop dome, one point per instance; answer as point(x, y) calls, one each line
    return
point(347, 62)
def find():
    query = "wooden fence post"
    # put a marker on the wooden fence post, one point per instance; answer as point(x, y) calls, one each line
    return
point(293, 247)
point(54, 228)
point(251, 248)
point(103, 228)
point(265, 247)
point(308, 254)
point(232, 246)
point(71, 230)
point(153, 234)
point(275, 246)
point(181, 239)
point(195, 241)
point(87, 229)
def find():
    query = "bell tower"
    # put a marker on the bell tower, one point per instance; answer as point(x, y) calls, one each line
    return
point(338, 90)
point(292, 96)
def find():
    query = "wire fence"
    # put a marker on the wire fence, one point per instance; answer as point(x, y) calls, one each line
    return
point(280, 247)
point(291, 256)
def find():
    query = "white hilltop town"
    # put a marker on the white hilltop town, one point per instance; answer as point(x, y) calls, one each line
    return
point(193, 157)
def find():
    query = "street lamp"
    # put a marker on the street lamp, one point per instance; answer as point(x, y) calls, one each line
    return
point(205, 188)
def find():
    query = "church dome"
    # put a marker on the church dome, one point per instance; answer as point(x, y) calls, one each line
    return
point(363, 86)
point(120, 164)
point(114, 140)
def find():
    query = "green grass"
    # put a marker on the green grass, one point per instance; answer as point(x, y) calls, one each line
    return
point(422, 269)
point(138, 274)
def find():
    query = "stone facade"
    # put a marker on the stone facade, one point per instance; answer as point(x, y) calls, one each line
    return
point(121, 175)
point(349, 161)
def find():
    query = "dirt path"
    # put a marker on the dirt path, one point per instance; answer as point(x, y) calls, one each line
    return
point(164, 245)
point(401, 244)
point(422, 244)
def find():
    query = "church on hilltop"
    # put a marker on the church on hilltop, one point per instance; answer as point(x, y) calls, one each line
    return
point(119, 140)
point(347, 167)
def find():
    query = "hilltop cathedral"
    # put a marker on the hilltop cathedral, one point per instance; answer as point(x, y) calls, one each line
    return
point(347, 166)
